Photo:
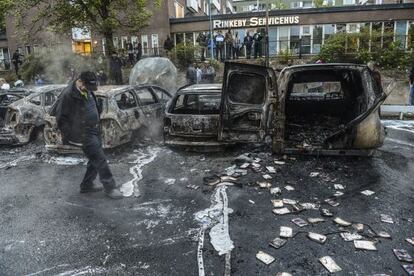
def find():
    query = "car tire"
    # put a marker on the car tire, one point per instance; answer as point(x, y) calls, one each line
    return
point(37, 134)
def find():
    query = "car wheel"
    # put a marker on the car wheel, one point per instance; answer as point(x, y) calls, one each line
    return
point(37, 134)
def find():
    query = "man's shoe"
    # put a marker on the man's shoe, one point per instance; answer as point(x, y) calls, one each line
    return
point(92, 188)
point(114, 193)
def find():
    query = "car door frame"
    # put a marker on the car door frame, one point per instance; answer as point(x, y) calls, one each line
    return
point(152, 111)
point(230, 110)
point(131, 114)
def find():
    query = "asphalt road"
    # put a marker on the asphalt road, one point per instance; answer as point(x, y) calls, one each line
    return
point(48, 228)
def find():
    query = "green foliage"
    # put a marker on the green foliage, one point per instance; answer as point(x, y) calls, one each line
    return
point(5, 5)
point(318, 3)
point(333, 50)
point(279, 5)
point(393, 56)
point(184, 54)
point(285, 56)
point(56, 65)
point(101, 16)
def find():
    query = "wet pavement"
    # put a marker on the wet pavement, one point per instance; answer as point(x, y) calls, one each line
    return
point(48, 228)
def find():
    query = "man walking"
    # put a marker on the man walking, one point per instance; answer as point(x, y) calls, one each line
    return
point(248, 42)
point(77, 115)
point(16, 60)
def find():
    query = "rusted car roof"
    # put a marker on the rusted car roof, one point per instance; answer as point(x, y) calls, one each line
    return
point(200, 88)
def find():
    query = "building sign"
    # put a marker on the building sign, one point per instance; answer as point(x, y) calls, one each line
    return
point(255, 22)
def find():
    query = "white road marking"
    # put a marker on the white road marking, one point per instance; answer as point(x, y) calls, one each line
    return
point(142, 158)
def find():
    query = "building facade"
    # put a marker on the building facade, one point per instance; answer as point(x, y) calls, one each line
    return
point(301, 30)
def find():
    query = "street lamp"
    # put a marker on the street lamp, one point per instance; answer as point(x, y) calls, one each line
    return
point(267, 35)
point(211, 32)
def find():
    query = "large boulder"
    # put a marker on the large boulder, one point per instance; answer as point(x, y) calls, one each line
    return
point(155, 70)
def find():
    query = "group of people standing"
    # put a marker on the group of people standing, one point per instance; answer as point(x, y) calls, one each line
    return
point(230, 45)
point(202, 73)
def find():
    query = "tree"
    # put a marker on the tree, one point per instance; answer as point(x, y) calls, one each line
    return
point(102, 17)
point(4, 7)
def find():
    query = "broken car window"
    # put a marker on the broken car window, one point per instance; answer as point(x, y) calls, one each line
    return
point(36, 100)
point(146, 97)
point(246, 88)
point(317, 90)
point(5, 100)
point(197, 104)
point(50, 98)
point(125, 101)
point(161, 94)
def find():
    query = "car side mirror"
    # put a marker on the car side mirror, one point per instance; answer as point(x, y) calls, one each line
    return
point(136, 113)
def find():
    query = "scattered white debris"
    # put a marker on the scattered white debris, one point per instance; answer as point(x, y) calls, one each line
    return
point(286, 232)
point(339, 187)
point(289, 201)
point(300, 222)
point(281, 211)
point(409, 268)
point(275, 191)
point(277, 203)
point(265, 185)
point(326, 213)
point(383, 234)
point(365, 245)
point(194, 187)
point(358, 226)
point(314, 174)
point(350, 236)
point(244, 166)
point(228, 178)
point(271, 169)
point(309, 206)
point(341, 222)
point(256, 165)
point(410, 240)
point(170, 181)
point(338, 194)
point(251, 201)
point(317, 237)
point(277, 162)
point(278, 243)
point(330, 264)
point(402, 255)
point(267, 176)
point(367, 192)
point(386, 218)
point(332, 202)
point(283, 274)
point(315, 220)
point(289, 188)
point(265, 258)
point(183, 179)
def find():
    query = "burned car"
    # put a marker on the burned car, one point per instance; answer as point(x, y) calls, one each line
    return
point(8, 97)
point(24, 118)
point(314, 109)
point(192, 116)
point(125, 111)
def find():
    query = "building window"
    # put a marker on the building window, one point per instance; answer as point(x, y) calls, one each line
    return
point(179, 10)
point(306, 40)
point(155, 44)
point(283, 38)
point(317, 39)
point(328, 30)
point(340, 28)
point(401, 33)
point(388, 36)
point(116, 42)
point(28, 49)
point(124, 42)
point(349, 2)
point(352, 28)
point(144, 42)
point(294, 39)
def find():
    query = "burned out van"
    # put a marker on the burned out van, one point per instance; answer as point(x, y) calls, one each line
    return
point(313, 109)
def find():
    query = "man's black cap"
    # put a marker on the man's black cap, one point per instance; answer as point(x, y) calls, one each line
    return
point(89, 80)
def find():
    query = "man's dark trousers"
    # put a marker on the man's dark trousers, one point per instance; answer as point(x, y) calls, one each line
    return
point(92, 148)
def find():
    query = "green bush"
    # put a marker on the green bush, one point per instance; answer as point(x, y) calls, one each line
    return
point(285, 56)
point(333, 50)
point(184, 54)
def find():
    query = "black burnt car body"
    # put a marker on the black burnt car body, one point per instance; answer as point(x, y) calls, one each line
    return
point(8, 97)
point(311, 109)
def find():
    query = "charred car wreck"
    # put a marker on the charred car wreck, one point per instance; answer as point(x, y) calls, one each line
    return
point(125, 110)
point(315, 109)
point(24, 118)
point(8, 97)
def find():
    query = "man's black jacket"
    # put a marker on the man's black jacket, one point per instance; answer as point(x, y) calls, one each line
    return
point(70, 114)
